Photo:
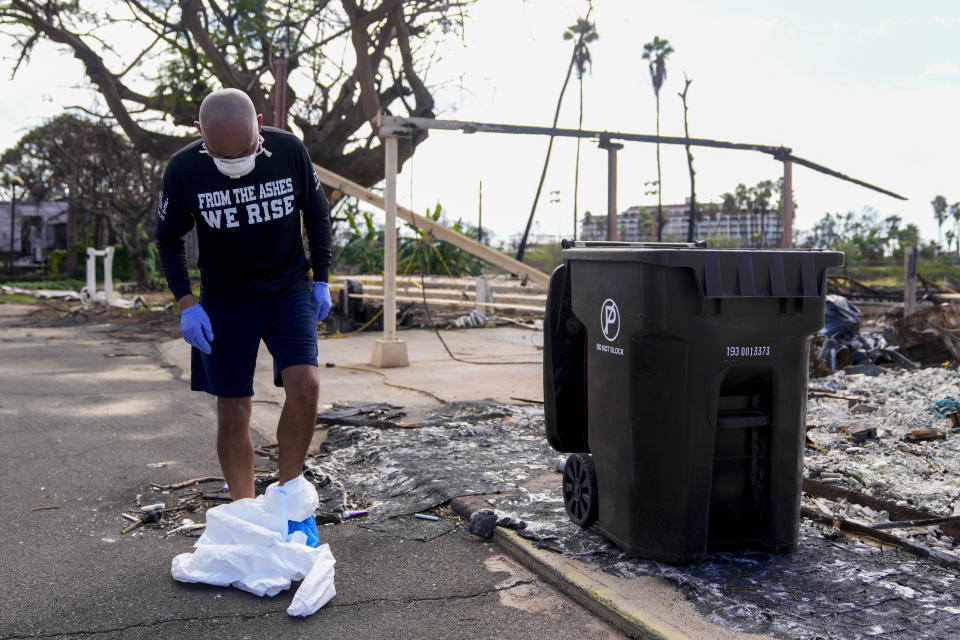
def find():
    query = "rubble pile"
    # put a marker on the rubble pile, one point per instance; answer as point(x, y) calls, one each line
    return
point(886, 463)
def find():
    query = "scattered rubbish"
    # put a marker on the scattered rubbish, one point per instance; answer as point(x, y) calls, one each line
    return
point(922, 435)
point(856, 527)
point(865, 369)
point(476, 318)
point(55, 506)
point(347, 410)
point(160, 465)
point(354, 514)
point(107, 540)
point(482, 523)
point(820, 393)
point(527, 400)
point(147, 518)
point(945, 407)
point(47, 294)
point(247, 545)
point(842, 344)
point(187, 527)
point(930, 335)
point(379, 415)
point(808, 443)
point(428, 463)
point(185, 483)
point(425, 517)
point(509, 522)
point(152, 507)
point(131, 518)
point(928, 522)
point(861, 432)
point(559, 464)
point(329, 518)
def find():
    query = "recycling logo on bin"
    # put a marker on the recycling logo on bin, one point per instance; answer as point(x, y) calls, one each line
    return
point(610, 326)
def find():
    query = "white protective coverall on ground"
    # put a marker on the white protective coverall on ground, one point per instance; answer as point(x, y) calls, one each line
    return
point(246, 545)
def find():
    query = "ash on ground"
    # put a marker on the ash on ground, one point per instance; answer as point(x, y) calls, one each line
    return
point(831, 586)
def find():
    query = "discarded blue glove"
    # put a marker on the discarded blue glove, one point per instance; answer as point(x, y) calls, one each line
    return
point(196, 328)
point(309, 527)
point(321, 294)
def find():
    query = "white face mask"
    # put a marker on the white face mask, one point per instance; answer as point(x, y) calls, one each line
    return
point(238, 167)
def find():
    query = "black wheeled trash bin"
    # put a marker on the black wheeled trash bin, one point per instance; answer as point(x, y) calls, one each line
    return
point(677, 376)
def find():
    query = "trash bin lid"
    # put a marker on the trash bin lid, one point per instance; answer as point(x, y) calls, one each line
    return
point(723, 273)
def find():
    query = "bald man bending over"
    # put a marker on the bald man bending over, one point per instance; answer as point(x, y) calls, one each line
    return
point(247, 187)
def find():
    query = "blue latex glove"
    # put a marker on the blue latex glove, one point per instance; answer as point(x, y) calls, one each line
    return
point(309, 527)
point(321, 293)
point(196, 328)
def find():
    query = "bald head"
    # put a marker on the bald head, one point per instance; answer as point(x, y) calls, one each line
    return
point(229, 123)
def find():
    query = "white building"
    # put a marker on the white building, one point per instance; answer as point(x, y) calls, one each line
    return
point(638, 224)
point(37, 228)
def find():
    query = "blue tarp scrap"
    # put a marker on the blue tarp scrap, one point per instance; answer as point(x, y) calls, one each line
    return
point(945, 406)
point(841, 319)
point(841, 331)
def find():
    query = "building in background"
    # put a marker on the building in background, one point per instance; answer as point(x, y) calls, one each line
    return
point(38, 228)
point(736, 228)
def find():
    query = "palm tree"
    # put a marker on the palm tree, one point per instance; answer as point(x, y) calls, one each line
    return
point(940, 213)
point(761, 197)
point(583, 32)
point(656, 52)
point(546, 161)
point(893, 228)
point(741, 196)
point(955, 212)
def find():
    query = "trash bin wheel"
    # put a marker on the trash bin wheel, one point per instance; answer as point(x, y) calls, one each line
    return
point(580, 489)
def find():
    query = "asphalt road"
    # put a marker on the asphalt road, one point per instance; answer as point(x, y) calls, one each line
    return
point(82, 434)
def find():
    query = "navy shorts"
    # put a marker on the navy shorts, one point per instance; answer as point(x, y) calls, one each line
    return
point(287, 324)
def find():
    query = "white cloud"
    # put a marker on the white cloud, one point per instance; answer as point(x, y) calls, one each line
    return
point(944, 20)
point(876, 31)
point(940, 69)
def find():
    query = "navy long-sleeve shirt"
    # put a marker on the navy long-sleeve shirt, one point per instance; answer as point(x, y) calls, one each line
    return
point(248, 229)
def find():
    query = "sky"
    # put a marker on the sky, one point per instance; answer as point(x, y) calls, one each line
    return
point(870, 88)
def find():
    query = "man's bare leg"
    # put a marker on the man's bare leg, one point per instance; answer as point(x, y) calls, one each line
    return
point(298, 419)
point(235, 446)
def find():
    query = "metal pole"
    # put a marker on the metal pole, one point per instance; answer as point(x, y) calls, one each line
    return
point(407, 125)
point(390, 242)
point(13, 215)
point(909, 280)
point(612, 148)
point(480, 213)
point(786, 197)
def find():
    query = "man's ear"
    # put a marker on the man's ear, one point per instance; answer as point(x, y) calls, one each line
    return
point(259, 122)
point(197, 125)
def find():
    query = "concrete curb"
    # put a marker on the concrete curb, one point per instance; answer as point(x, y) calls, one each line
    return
point(578, 585)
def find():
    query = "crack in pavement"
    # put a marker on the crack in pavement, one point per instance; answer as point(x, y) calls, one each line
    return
point(228, 618)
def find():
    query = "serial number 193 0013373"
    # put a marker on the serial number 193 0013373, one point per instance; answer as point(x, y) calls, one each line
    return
point(746, 351)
